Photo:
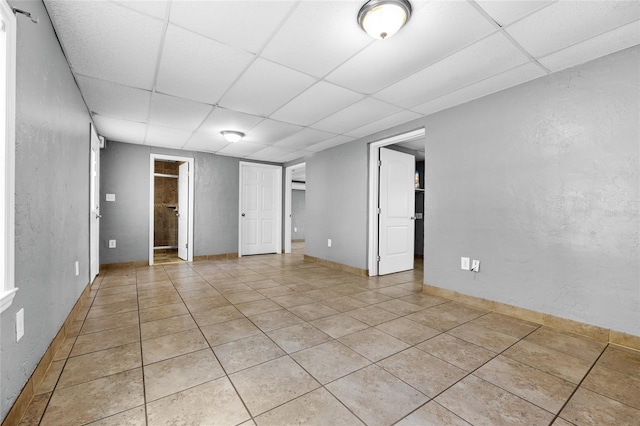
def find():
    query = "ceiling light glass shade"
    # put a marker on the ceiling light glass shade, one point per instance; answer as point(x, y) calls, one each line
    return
point(232, 136)
point(383, 18)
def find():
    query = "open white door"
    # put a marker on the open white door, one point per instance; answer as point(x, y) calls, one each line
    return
point(260, 209)
point(397, 211)
point(183, 211)
point(94, 210)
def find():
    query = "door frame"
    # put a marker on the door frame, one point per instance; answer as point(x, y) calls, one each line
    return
point(152, 160)
point(278, 204)
point(374, 189)
point(94, 196)
point(288, 195)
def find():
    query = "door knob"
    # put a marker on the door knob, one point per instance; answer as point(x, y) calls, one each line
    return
point(412, 218)
point(242, 214)
point(98, 216)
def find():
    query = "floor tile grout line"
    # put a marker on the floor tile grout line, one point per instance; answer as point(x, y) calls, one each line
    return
point(142, 363)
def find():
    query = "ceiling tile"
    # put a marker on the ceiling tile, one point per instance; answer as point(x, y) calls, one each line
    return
point(166, 137)
point(272, 153)
point(315, 103)
point(489, 56)
point(604, 44)
point(114, 100)
point(205, 143)
point(507, 12)
point(178, 113)
point(299, 154)
point(510, 78)
point(265, 87)
point(356, 115)
point(567, 22)
point(232, 22)
point(304, 138)
point(318, 37)
point(441, 27)
point(226, 119)
point(115, 129)
point(109, 42)
point(197, 68)
point(269, 132)
point(383, 124)
point(154, 8)
point(329, 143)
point(241, 149)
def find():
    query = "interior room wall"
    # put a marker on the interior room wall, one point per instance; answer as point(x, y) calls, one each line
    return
point(539, 182)
point(52, 200)
point(297, 214)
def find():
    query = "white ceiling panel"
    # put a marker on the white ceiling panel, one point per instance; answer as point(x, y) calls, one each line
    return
point(154, 8)
point(518, 75)
point(226, 119)
point(197, 68)
point(231, 22)
point(119, 130)
point(166, 137)
point(205, 143)
point(489, 56)
point(441, 27)
point(272, 153)
point(115, 100)
point(604, 44)
point(304, 138)
point(329, 143)
point(269, 132)
point(107, 41)
point(567, 22)
point(169, 111)
point(265, 87)
point(356, 115)
point(507, 12)
point(295, 156)
point(383, 123)
point(241, 149)
point(317, 102)
point(318, 37)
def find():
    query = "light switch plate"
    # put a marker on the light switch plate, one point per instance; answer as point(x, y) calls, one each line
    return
point(111, 197)
point(464, 263)
point(112, 243)
point(19, 324)
point(475, 266)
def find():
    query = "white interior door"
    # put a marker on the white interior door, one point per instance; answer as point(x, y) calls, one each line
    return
point(260, 209)
point(183, 211)
point(94, 200)
point(397, 211)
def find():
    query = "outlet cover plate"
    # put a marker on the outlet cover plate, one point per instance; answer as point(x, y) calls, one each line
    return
point(464, 263)
point(19, 324)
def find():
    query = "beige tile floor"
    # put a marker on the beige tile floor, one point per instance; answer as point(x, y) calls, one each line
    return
point(272, 340)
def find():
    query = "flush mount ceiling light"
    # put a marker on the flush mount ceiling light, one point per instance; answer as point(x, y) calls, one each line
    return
point(383, 18)
point(232, 136)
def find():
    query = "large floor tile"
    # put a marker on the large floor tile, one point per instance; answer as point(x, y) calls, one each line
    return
point(165, 347)
point(108, 322)
point(257, 307)
point(621, 359)
point(133, 417)
point(408, 331)
point(622, 387)
point(339, 325)
point(483, 337)
point(400, 307)
point(373, 344)
point(375, 396)
point(312, 311)
point(182, 372)
point(274, 320)
point(165, 326)
point(206, 303)
point(105, 339)
point(297, 337)
point(345, 303)
point(455, 351)
point(570, 344)
point(318, 408)
point(506, 325)
point(372, 315)
point(271, 384)
point(446, 316)
point(212, 403)
point(330, 361)
point(164, 311)
point(216, 315)
point(224, 332)
point(247, 352)
point(590, 408)
point(432, 414)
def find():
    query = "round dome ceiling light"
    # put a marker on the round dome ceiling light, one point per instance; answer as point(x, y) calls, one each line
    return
point(383, 18)
point(232, 135)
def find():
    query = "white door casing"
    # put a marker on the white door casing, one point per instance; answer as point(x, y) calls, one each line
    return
point(94, 208)
point(397, 211)
point(260, 209)
point(183, 210)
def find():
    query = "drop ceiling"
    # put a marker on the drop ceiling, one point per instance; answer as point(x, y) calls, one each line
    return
point(298, 77)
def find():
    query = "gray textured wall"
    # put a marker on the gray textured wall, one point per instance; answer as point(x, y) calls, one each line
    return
point(539, 182)
point(298, 214)
point(52, 201)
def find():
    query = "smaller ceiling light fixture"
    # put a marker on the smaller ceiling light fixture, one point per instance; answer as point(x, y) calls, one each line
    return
point(383, 18)
point(232, 136)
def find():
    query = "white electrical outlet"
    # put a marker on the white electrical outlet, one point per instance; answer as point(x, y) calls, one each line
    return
point(464, 263)
point(475, 266)
point(329, 242)
point(295, 229)
point(77, 268)
point(19, 324)
point(112, 243)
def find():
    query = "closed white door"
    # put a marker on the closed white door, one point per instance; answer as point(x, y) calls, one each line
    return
point(94, 209)
point(260, 209)
point(183, 211)
point(397, 211)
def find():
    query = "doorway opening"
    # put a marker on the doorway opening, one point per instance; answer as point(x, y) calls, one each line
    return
point(295, 207)
point(171, 209)
point(409, 142)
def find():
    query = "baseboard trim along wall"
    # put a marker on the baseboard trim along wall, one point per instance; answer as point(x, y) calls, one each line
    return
point(29, 390)
point(559, 323)
point(336, 265)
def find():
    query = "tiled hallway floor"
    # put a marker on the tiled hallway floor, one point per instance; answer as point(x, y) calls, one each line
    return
point(272, 340)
